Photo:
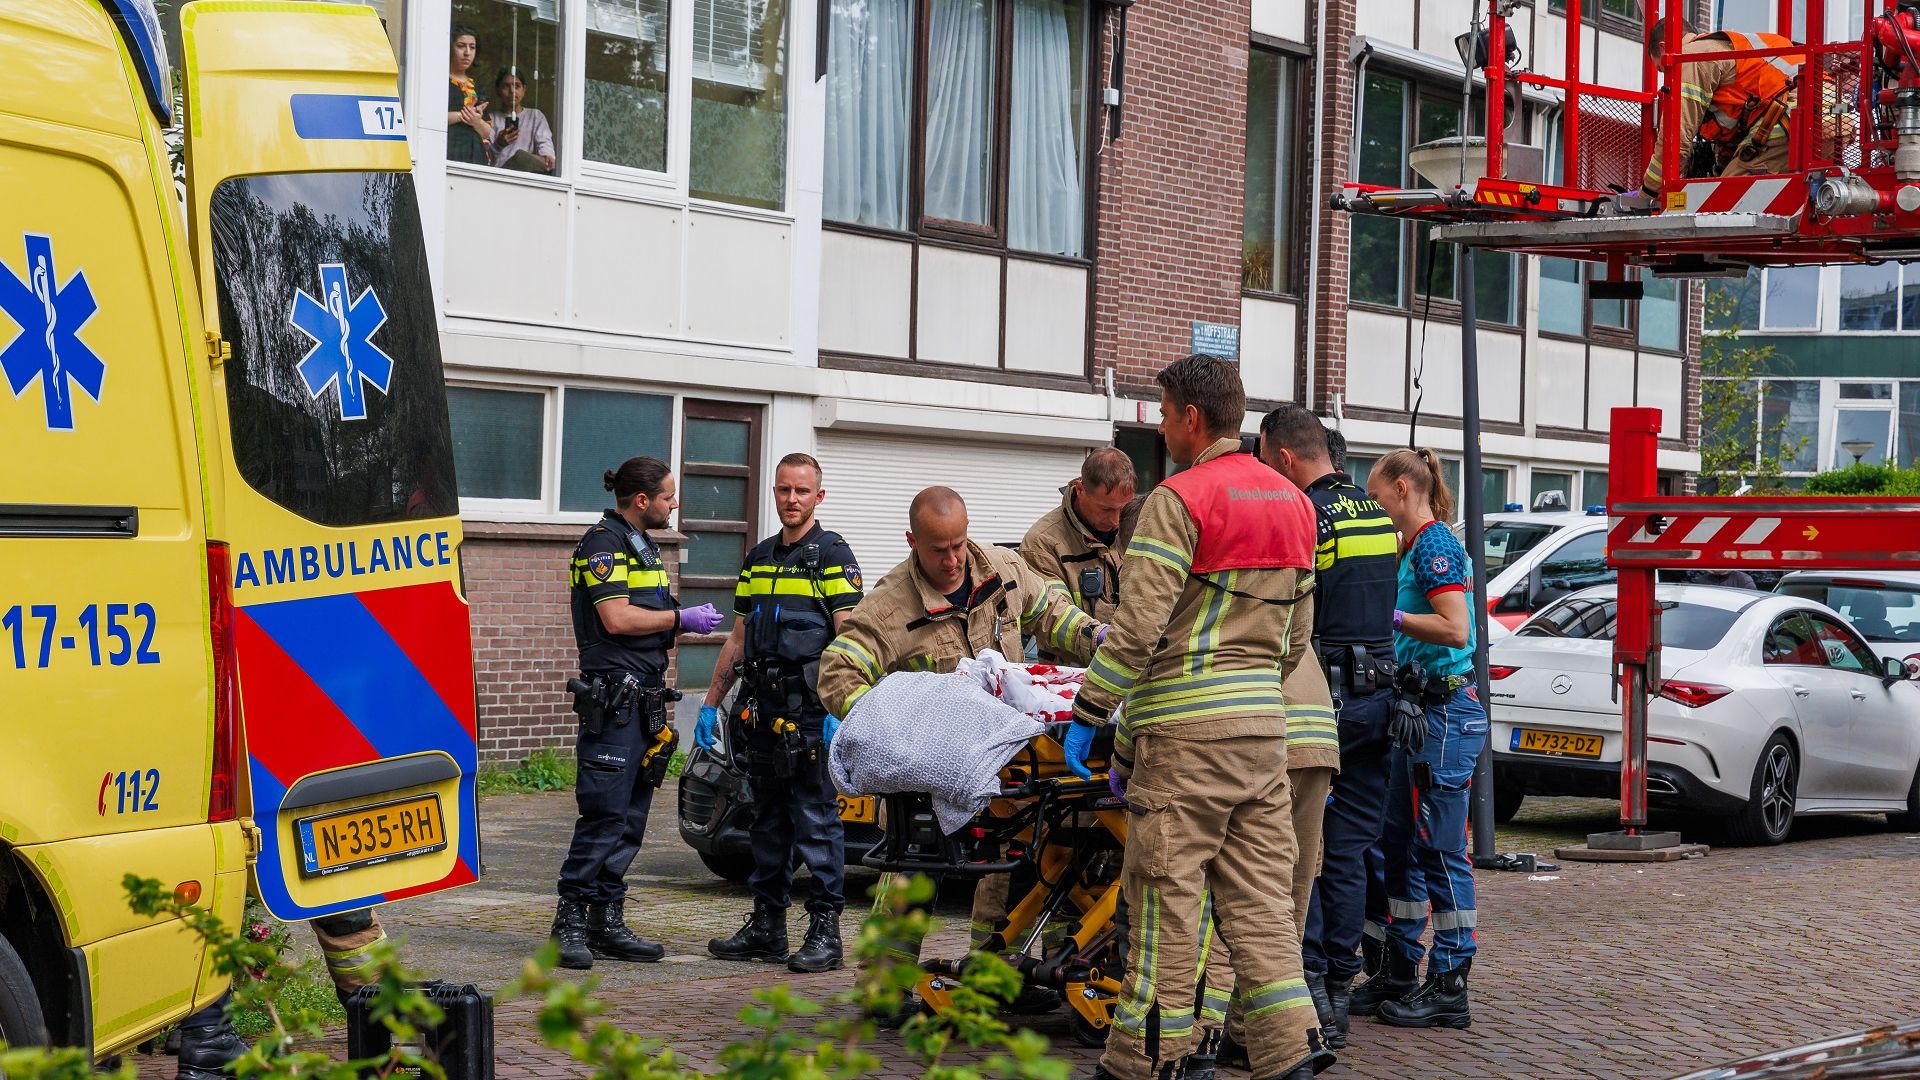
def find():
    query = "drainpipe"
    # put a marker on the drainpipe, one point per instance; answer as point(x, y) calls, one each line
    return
point(1313, 198)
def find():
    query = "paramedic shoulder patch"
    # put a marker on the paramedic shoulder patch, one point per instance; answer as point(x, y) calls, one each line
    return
point(600, 564)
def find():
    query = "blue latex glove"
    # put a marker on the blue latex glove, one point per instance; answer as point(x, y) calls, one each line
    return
point(828, 730)
point(1078, 743)
point(706, 733)
point(700, 620)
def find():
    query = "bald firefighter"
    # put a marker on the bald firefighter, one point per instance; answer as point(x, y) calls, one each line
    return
point(1074, 543)
point(1198, 654)
point(950, 599)
point(1733, 112)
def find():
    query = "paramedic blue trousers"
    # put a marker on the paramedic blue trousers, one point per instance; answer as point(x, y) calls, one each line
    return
point(1351, 829)
point(797, 814)
point(1425, 836)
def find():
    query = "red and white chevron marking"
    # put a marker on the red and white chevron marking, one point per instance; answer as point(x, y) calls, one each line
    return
point(1698, 532)
point(1785, 195)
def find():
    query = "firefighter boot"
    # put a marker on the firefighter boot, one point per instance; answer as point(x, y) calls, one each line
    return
point(1398, 979)
point(762, 937)
point(1231, 1053)
point(820, 951)
point(570, 933)
point(1441, 1002)
point(1322, 1008)
point(1318, 1060)
point(1373, 955)
point(205, 1052)
point(609, 938)
point(1339, 998)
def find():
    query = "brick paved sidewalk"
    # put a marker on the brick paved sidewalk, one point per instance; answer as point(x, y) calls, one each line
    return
point(1602, 971)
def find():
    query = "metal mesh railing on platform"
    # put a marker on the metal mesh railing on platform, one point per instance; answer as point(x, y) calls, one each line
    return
point(1837, 128)
point(1609, 145)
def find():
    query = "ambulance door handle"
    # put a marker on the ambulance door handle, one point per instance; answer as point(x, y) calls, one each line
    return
point(1801, 691)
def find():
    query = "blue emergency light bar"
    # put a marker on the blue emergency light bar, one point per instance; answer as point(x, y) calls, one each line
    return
point(1513, 508)
point(1597, 510)
point(139, 23)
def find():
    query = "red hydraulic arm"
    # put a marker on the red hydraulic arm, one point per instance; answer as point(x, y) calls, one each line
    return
point(1647, 533)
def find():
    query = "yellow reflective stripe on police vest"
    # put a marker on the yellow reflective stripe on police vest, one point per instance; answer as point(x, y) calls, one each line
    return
point(578, 574)
point(647, 579)
point(1312, 725)
point(856, 652)
point(1198, 696)
point(1161, 552)
point(1110, 676)
point(1361, 544)
point(1323, 554)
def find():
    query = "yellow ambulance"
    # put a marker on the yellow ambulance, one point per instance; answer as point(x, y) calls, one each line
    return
point(234, 649)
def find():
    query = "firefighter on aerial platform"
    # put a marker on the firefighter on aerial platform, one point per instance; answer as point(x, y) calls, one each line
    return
point(1733, 112)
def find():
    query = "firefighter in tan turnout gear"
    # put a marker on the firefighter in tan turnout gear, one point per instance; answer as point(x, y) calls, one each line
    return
point(1197, 654)
point(1074, 543)
point(950, 599)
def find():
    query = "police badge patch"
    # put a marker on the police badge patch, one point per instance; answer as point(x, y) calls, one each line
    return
point(600, 564)
point(853, 577)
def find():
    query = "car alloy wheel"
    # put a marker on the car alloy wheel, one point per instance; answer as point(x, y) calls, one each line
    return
point(1768, 816)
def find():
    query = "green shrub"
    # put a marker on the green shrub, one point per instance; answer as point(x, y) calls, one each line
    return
point(1883, 480)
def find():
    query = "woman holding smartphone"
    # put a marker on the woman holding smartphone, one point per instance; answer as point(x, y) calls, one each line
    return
point(523, 139)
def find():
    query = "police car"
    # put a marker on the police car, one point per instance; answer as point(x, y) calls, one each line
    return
point(1533, 559)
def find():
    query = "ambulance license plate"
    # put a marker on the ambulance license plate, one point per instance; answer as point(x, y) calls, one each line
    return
point(1557, 743)
point(345, 839)
point(860, 810)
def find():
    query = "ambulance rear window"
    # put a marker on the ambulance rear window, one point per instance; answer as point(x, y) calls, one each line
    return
point(337, 401)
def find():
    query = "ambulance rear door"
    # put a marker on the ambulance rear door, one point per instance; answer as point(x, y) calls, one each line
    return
point(337, 496)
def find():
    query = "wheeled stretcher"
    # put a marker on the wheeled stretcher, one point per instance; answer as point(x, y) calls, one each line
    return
point(1063, 835)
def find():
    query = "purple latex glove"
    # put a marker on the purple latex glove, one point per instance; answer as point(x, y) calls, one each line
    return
point(700, 620)
point(1117, 784)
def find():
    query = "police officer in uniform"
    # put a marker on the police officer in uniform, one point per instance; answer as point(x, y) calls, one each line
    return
point(625, 618)
point(796, 589)
point(1074, 543)
point(1354, 567)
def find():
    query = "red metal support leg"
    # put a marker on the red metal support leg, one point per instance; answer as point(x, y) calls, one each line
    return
point(1632, 470)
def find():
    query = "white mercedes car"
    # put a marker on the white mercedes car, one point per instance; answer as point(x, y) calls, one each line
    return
point(1884, 605)
point(1772, 706)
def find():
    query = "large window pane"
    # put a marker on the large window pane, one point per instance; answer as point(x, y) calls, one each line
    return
point(1660, 313)
point(717, 442)
point(1046, 160)
point(601, 429)
point(739, 138)
point(959, 128)
point(869, 91)
point(1267, 239)
point(714, 554)
point(1493, 488)
point(1870, 297)
point(1383, 119)
point(1494, 288)
point(1793, 298)
point(1562, 303)
point(1593, 487)
point(511, 75)
point(1792, 406)
point(1433, 264)
point(713, 498)
point(1605, 312)
point(496, 442)
point(626, 83)
point(1376, 260)
point(1734, 304)
point(1867, 429)
point(1547, 484)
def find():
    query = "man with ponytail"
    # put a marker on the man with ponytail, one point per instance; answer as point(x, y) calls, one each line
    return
point(1440, 730)
point(1222, 553)
point(625, 618)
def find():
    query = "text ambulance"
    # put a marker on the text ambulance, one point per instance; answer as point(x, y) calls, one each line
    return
point(234, 652)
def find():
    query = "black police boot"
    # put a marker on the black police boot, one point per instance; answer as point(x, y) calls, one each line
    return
point(1322, 1008)
point(1373, 955)
point(1033, 1000)
point(570, 933)
point(1441, 1002)
point(205, 1052)
point(1339, 998)
point(1398, 979)
point(762, 937)
point(609, 938)
point(1318, 1060)
point(820, 950)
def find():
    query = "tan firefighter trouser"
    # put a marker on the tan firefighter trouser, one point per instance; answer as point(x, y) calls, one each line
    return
point(346, 941)
point(1210, 818)
point(989, 907)
point(1310, 788)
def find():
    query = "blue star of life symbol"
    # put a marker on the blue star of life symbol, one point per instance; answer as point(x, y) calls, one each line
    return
point(343, 353)
point(48, 347)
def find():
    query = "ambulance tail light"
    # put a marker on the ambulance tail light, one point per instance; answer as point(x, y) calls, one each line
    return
point(223, 786)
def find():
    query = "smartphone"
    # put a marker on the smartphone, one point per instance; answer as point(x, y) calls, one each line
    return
point(513, 121)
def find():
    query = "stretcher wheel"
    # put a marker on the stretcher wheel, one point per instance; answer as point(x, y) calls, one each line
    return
point(1084, 1032)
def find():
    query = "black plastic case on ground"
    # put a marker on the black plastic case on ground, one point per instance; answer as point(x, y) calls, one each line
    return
point(462, 1042)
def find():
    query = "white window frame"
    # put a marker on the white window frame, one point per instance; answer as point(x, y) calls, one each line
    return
point(577, 173)
point(1834, 454)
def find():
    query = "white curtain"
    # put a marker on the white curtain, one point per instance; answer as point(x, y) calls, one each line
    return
point(1044, 200)
point(869, 91)
point(959, 164)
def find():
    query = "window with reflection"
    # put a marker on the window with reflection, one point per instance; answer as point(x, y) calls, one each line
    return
point(626, 88)
point(503, 84)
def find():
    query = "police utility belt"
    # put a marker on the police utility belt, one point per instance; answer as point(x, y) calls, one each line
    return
point(612, 700)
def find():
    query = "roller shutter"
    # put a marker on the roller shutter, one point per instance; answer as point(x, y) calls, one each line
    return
point(870, 479)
